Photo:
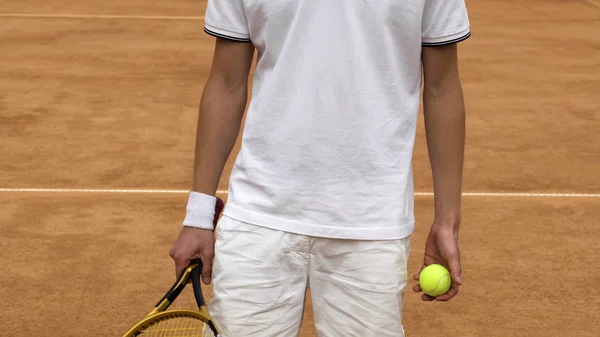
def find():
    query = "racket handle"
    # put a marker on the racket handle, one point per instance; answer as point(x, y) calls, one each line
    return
point(196, 284)
point(175, 290)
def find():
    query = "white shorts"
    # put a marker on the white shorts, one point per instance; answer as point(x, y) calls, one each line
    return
point(260, 277)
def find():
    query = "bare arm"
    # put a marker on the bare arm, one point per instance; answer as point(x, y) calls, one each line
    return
point(445, 130)
point(221, 111)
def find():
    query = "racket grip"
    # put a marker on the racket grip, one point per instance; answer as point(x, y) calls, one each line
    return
point(196, 284)
point(175, 290)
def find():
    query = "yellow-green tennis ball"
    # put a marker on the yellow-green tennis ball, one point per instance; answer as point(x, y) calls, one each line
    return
point(435, 280)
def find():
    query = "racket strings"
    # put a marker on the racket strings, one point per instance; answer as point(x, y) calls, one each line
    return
point(178, 327)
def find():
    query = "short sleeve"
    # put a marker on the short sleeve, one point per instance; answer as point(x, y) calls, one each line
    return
point(444, 22)
point(226, 19)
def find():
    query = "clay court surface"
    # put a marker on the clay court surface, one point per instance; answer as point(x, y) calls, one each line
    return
point(104, 95)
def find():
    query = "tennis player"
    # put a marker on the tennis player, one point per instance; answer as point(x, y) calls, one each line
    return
point(321, 193)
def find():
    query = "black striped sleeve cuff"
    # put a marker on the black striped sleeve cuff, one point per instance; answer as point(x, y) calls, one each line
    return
point(447, 42)
point(227, 37)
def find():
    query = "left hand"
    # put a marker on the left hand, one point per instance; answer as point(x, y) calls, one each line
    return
point(441, 247)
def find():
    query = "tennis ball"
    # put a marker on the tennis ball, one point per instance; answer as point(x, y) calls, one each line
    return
point(435, 280)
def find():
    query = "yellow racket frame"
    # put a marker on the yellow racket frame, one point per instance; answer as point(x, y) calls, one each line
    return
point(150, 320)
point(160, 313)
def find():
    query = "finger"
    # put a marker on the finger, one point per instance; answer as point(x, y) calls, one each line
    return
point(180, 265)
point(455, 268)
point(427, 298)
point(448, 295)
point(453, 291)
point(416, 276)
point(180, 261)
point(207, 260)
point(417, 288)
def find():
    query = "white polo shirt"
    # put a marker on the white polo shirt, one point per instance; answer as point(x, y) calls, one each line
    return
point(329, 134)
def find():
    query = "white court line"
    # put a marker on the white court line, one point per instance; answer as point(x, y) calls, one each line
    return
point(510, 194)
point(166, 191)
point(100, 16)
point(92, 190)
point(199, 18)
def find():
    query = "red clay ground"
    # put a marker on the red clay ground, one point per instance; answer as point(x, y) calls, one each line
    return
point(112, 103)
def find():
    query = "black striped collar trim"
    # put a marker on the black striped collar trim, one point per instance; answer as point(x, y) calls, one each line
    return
point(215, 34)
point(436, 44)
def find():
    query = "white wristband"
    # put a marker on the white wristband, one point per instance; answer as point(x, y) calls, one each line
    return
point(200, 211)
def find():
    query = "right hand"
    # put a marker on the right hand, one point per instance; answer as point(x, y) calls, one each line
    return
point(196, 243)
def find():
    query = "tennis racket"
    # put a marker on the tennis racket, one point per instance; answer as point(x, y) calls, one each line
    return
point(182, 323)
point(161, 322)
